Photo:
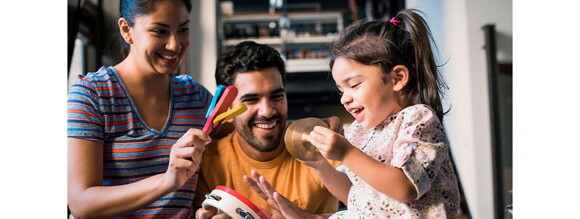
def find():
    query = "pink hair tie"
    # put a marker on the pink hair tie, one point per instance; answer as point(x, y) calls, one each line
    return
point(394, 21)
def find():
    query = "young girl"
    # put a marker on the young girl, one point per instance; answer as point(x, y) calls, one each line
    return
point(395, 154)
point(134, 129)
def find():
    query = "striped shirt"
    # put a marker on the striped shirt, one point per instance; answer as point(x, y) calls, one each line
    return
point(100, 109)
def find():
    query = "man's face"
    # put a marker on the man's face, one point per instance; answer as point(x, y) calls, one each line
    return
point(263, 92)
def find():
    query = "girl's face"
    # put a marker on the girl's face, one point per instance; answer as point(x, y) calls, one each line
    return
point(159, 39)
point(367, 92)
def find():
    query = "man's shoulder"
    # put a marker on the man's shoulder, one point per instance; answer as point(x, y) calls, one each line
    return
point(220, 146)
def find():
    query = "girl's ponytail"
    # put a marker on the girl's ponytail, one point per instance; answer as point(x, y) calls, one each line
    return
point(429, 88)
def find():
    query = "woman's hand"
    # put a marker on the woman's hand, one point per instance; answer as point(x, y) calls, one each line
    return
point(185, 158)
point(330, 144)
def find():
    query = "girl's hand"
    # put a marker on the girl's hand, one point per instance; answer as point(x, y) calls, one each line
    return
point(283, 208)
point(334, 124)
point(185, 157)
point(264, 189)
point(330, 144)
point(317, 165)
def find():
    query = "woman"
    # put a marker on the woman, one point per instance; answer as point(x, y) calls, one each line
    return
point(134, 130)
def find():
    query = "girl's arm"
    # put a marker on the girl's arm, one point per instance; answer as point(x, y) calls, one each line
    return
point(387, 179)
point(336, 182)
point(283, 208)
point(87, 198)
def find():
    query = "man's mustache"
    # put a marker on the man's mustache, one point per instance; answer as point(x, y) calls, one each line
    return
point(264, 119)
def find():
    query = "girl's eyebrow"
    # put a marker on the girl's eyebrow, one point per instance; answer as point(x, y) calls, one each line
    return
point(351, 78)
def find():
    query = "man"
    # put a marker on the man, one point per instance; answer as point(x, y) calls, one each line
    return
point(258, 72)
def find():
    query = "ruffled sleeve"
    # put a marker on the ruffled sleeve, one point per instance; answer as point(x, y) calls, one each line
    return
point(421, 147)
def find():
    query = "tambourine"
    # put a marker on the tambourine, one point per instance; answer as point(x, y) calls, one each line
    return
point(232, 203)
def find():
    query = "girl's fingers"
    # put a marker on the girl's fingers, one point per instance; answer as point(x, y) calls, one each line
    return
point(284, 204)
point(317, 141)
point(321, 134)
point(281, 200)
point(254, 185)
point(323, 131)
point(266, 185)
point(266, 188)
point(257, 176)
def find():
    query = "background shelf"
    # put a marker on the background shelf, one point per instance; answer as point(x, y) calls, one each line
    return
point(307, 65)
point(303, 38)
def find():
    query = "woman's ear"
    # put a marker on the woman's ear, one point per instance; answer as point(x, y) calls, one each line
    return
point(125, 30)
point(400, 77)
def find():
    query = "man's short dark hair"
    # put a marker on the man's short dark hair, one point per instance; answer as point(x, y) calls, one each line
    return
point(247, 56)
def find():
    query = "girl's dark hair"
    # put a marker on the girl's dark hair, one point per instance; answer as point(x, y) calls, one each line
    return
point(245, 57)
point(130, 9)
point(387, 44)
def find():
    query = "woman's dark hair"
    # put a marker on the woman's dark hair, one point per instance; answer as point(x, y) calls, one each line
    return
point(247, 56)
point(130, 9)
point(386, 44)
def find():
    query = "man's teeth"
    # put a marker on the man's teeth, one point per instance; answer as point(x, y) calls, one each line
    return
point(355, 110)
point(266, 126)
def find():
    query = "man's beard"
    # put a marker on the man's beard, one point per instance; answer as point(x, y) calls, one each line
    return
point(262, 143)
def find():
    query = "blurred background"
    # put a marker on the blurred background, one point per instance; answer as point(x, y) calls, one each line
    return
point(474, 39)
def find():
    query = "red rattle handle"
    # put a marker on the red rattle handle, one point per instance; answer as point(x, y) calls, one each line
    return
point(226, 99)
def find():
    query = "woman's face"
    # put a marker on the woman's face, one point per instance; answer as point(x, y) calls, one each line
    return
point(159, 39)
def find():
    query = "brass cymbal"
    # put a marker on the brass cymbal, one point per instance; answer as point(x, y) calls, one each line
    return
point(295, 139)
point(288, 138)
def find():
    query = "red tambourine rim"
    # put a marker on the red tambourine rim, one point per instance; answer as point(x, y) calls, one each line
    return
point(243, 199)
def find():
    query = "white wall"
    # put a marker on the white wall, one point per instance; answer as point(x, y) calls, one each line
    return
point(202, 53)
point(457, 28)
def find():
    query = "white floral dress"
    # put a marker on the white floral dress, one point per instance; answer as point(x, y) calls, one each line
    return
point(413, 140)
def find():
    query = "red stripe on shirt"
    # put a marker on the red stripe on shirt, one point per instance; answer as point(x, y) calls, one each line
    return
point(138, 149)
point(129, 158)
point(121, 122)
point(81, 112)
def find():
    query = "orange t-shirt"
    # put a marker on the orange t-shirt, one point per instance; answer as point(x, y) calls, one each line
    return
point(224, 163)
